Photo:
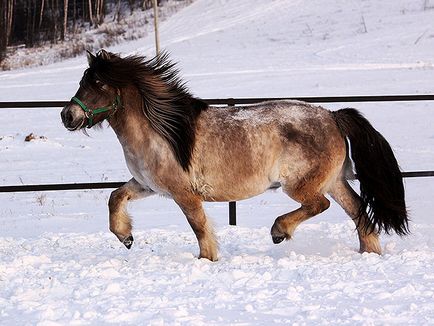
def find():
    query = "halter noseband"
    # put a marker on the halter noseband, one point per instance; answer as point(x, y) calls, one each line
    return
point(89, 113)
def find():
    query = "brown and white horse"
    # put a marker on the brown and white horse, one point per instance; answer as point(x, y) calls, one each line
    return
point(178, 146)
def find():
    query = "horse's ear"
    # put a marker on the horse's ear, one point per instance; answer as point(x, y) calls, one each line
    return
point(103, 54)
point(90, 57)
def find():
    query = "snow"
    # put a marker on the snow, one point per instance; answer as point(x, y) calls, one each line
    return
point(60, 265)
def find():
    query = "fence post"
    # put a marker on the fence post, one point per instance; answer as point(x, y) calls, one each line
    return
point(232, 204)
point(232, 213)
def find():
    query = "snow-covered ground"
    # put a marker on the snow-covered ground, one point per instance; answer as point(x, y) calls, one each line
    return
point(60, 265)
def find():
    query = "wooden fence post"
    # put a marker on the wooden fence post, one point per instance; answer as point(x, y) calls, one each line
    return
point(157, 38)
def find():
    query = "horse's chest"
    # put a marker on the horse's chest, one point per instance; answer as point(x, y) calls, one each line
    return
point(142, 173)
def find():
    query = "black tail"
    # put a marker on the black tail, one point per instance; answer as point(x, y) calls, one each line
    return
point(381, 186)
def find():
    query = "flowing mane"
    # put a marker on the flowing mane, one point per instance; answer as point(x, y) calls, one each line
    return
point(167, 104)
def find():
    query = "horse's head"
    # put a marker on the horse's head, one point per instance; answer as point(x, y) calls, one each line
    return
point(95, 100)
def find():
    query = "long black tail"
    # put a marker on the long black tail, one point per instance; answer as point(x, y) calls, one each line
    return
point(381, 186)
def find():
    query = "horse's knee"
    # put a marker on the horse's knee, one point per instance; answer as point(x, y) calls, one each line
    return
point(120, 222)
point(317, 206)
point(114, 199)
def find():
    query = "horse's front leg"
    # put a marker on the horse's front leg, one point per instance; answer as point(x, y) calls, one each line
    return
point(120, 221)
point(191, 205)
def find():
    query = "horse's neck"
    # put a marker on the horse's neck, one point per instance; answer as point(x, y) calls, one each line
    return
point(129, 124)
point(133, 129)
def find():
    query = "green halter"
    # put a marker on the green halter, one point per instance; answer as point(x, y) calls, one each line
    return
point(91, 113)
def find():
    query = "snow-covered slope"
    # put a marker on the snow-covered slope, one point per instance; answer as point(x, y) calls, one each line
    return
point(280, 48)
point(60, 265)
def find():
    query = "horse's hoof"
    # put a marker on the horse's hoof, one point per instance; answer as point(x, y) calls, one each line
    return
point(128, 241)
point(278, 239)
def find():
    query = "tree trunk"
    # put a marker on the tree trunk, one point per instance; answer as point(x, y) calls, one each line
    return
point(90, 12)
point(9, 19)
point(147, 4)
point(3, 24)
point(98, 11)
point(74, 15)
point(34, 35)
point(28, 20)
point(41, 13)
point(54, 14)
point(117, 16)
point(131, 3)
point(102, 11)
point(65, 19)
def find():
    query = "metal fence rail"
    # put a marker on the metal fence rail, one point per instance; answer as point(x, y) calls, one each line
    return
point(225, 102)
point(112, 185)
point(241, 101)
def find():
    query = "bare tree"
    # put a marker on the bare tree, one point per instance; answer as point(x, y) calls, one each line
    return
point(9, 18)
point(147, 4)
point(3, 23)
point(30, 23)
point(99, 8)
point(90, 12)
point(6, 19)
point(65, 19)
point(41, 13)
point(117, 14)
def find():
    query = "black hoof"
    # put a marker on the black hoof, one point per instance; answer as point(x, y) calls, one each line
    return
point(278, 239)
point(128, 241)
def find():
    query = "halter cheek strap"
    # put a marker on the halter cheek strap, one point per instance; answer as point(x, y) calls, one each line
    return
point(90, 114)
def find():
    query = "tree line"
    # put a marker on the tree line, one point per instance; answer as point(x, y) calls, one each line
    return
point(34, 22)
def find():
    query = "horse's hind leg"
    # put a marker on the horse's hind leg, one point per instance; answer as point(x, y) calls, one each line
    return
point(191, 206)
point(285, 225)
point(350, 201)
point(120, 221)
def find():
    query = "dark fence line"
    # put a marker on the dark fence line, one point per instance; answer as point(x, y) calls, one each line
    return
point(240, 101)
point(227, 101)
point(112, 185)
point(61, 186)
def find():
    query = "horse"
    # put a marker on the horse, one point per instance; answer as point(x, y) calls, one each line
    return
point(178, 146)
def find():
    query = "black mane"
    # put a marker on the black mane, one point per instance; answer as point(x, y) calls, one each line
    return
point(171, 110)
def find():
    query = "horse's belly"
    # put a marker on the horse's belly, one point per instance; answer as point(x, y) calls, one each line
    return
point(230, 189)
point(230, 181)
point(236, 194)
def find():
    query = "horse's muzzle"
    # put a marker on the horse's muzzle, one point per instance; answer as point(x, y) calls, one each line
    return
point(70, 120)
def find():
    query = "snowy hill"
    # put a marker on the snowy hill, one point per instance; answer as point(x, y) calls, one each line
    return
point(233, 49)
point(60, 265)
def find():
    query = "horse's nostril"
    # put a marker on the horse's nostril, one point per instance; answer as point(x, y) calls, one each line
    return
point(69, 117)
